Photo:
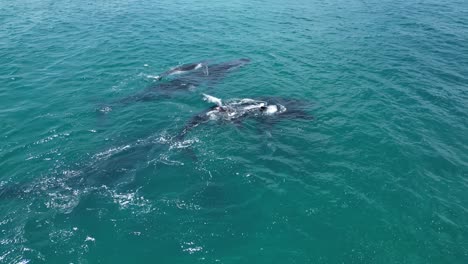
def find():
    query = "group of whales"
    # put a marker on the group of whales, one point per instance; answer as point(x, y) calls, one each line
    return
point(185, 77)
point(189, 76)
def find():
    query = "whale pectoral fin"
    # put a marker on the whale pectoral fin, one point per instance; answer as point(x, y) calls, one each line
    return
point(212, 99)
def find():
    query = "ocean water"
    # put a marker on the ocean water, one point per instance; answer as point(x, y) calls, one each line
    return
point(380, 175)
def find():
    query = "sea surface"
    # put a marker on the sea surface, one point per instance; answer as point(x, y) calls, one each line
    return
point(380, 175)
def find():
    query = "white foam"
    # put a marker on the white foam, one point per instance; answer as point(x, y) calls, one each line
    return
point(130, 200)
point(183, 144)
point(191, 248)
point(157, 77)
point(105, 109)
point(65, 201)
point(52, 137)
point(109, 152)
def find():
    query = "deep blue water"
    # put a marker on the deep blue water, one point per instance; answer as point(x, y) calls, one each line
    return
point(380, 175)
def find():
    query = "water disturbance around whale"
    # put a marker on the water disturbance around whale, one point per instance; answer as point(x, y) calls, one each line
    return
point(367, 164)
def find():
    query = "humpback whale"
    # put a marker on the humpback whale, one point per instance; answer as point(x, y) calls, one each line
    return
point(195, 74)
point(268, 109)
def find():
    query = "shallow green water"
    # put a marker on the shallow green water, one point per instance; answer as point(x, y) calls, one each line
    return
point(379, 176)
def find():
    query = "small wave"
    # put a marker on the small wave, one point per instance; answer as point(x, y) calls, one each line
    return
point(71, 173)
point(45, 156)
point(165, 160)
point(61, 235)
point(106, 154)
point(50, 138)
point(182, 204)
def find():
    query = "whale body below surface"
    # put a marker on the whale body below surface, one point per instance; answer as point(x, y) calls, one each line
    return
point(187, 77)
point(266, 109)
point(181, 69)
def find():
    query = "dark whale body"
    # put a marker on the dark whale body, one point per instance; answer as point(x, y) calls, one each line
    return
point(192, 77)
point(295, 109)
point(109, 171)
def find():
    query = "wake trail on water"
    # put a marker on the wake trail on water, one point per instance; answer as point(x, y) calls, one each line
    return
point(110, 175)
point(107, 169)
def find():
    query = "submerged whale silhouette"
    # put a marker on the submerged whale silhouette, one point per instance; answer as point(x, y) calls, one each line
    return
point(107, 168)
point(266, 109)
point(189, 77)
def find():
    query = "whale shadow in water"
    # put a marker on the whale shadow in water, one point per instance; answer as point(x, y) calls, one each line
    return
point(112, 168)
point(189, 77)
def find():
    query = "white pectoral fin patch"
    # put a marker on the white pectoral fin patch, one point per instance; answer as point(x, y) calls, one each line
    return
point(275, 109)
point(271, 109)
point(212, 99)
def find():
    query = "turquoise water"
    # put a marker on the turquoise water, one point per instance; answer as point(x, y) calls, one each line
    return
point(379, 176)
